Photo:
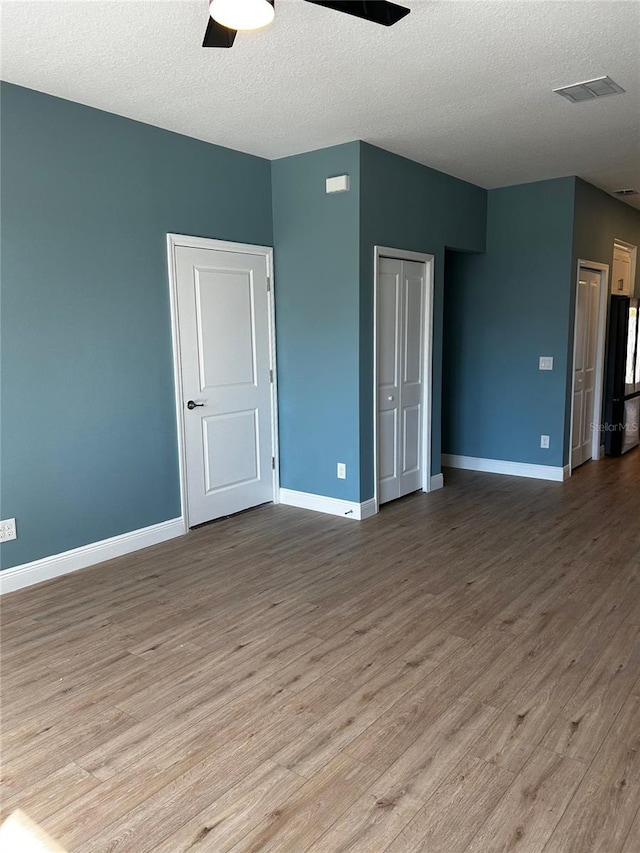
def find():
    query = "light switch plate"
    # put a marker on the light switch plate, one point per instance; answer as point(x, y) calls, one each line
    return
point(341, 471)
point(546, 362)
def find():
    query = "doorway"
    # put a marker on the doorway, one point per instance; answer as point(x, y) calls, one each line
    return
point(588, 362)
point(623, 273)
point(403, 311)
point(224, 363)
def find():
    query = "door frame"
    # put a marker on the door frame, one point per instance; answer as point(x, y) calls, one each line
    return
point(173, 242)
point(598, 396)
point(427, 356)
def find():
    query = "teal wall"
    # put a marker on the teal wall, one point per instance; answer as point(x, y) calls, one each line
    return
point(88, 414)
point(599, 220)
point(502, 311)
point(324, 273)
point(404, 205)
point(88, 420)
point(317, 297)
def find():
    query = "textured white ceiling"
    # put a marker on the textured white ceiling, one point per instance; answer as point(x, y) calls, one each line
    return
point(463, 87)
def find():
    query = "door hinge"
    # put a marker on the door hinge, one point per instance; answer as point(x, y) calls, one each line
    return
point(271, 376)
point(268, 284)
point(273, 463)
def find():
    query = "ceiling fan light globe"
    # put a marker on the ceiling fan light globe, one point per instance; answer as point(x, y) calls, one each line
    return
point(242, 14)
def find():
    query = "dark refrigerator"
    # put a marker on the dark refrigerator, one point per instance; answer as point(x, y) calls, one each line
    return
point(622, 395)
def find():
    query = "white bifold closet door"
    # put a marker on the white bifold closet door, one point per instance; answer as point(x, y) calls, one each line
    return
point(585, 365)
point(400, 376)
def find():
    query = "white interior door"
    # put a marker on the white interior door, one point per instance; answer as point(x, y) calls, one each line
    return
point(585, 366)
point(225, 352)
point(400, 370)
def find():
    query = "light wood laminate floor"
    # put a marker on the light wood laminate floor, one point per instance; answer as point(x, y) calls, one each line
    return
point(459, 673)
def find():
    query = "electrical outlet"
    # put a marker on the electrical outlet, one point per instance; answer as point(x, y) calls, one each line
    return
point(546, 362)
point(544, 442)
point(342, 471)
point(8, 530)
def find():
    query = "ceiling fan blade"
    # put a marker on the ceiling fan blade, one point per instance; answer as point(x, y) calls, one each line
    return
point(218, 36)
point(378, 11)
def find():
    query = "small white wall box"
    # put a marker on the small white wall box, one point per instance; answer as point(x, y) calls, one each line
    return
point(338, 184)
point(546, 362)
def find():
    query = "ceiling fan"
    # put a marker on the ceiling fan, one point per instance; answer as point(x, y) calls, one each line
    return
point(229, 16)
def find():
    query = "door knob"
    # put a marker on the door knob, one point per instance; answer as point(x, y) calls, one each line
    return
point(390, 398)
point(192, 405)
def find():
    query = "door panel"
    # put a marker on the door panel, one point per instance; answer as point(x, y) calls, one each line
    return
point(592, 338)
point(587, 412)
point(225, 351)
point(238, 433)
point(411, 440)
point(576, 431)
point(413, 321)
point(389, 307)
point(400, 324)
point(226, 338)
point(413, 284)
point(387, 440)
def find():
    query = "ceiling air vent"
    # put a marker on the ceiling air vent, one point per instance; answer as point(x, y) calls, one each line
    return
point(590, 89)
point(625, 193)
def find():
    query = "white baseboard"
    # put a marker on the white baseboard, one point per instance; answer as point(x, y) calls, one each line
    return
point(96, 552)
point(436, 482)
point(368, 508)
point(331, 506)
point(501, 466)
